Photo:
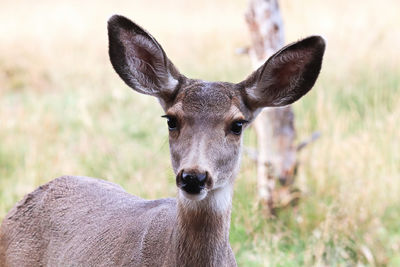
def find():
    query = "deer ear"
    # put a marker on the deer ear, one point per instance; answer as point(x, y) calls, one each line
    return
point(286, 76)
point(139, 59)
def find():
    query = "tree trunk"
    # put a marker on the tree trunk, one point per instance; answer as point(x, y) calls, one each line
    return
point(274, 126)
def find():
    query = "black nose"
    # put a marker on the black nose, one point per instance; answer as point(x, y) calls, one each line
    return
point(192, 182)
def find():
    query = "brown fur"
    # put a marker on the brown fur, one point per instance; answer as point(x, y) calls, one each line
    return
point(80, 221)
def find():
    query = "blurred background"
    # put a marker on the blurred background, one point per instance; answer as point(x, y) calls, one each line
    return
point(63, 110)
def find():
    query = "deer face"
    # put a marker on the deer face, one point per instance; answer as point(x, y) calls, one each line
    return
point(206, 119)
point(205, 128)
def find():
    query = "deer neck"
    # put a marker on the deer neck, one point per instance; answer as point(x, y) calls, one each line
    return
point(203, 229)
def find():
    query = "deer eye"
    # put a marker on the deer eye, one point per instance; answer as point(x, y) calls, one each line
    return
point(172, 122)
point(236, 126)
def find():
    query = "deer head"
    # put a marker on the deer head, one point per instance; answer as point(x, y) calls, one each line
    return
point(206, 119)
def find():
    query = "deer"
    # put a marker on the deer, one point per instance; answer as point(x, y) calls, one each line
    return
point(82, 221)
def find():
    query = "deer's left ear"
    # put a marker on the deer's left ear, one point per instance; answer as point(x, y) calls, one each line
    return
point(286, 76)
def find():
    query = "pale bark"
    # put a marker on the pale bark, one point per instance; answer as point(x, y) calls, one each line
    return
point(274, 126)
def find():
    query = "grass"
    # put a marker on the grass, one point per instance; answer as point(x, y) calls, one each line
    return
point(63, 110)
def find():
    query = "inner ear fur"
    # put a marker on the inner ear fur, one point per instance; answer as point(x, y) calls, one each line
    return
point(286, 76)
point(140, 60)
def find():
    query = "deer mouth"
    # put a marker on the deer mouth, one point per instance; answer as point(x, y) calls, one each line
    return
point(195, 197)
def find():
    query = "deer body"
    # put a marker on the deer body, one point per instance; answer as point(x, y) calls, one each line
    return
point(80, 221)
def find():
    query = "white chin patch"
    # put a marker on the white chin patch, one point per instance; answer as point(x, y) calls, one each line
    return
point(196, 197)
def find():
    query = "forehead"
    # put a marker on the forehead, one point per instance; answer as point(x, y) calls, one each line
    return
point(208, 98)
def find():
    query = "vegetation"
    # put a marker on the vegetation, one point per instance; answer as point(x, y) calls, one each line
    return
point(63, 110)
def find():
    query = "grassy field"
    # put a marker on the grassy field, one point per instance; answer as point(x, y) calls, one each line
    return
point(63, 110)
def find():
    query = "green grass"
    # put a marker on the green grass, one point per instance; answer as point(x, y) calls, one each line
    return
point(63, 110)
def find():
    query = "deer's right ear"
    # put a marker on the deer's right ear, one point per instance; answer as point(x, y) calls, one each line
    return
point(140, 61)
